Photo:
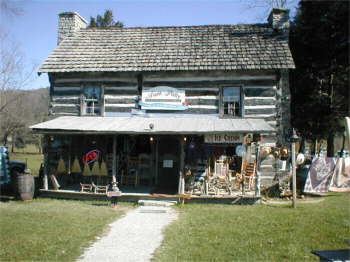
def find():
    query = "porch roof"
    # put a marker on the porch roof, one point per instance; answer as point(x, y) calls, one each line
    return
point(151, 125)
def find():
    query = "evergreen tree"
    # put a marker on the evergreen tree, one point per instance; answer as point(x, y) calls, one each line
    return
point(319, 42)
point(106, 20)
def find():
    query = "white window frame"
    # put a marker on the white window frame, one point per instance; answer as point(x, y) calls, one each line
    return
point(235, 111)
point(95, 108)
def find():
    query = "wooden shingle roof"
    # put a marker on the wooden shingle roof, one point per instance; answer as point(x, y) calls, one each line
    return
point(181, 48)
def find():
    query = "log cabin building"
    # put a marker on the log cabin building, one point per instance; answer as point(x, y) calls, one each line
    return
point(152, 103)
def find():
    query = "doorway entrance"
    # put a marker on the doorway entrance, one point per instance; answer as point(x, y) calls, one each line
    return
point(168, 164)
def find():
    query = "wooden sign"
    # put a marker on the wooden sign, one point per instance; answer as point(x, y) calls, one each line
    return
point(163, 98)
point(223, 139)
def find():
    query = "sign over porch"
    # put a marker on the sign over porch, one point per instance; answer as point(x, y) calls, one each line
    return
point(223, 138)
point(163, 98)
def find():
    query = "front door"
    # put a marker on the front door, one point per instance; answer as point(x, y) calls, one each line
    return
point(168, 164)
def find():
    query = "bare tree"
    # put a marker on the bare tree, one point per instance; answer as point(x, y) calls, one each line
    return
point(10, 8)
point(16, 104)
point(12, 119)
point(14, 74)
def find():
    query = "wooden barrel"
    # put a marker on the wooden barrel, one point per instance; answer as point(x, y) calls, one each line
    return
point(25, 186)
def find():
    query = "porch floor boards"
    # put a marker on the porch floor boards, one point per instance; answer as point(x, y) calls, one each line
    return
point(237, 197)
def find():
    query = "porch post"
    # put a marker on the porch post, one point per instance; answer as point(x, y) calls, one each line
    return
point(181, 189)
point(45, 179)
point(294, 139)
point(70, 156)
point(114, 163)
point(157, 159)
point(257, 170)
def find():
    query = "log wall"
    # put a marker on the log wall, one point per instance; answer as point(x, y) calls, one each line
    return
point(262, 91)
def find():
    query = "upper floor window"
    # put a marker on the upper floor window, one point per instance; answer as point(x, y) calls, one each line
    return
point(92, 101)
point(231, 101)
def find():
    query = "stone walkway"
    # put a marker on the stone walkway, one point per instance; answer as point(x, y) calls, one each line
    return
point(133, 237)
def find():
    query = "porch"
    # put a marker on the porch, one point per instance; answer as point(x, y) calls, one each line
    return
point(197, 158)
point(133, 196)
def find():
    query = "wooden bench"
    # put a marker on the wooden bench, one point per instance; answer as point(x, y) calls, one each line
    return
point(98, 189)
point(86, 187)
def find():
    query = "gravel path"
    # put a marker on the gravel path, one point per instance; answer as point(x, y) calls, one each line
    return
point(134, 237)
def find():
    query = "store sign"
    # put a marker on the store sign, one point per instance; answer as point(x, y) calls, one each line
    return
point(91, 156)
point(163, 98)
point(223, 138)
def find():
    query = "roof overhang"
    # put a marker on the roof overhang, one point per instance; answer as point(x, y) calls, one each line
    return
point(151, 125)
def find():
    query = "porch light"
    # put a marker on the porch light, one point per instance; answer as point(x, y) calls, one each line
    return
point(151, 139)
point(185, 139)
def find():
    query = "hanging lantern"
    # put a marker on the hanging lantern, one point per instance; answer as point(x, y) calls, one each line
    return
point(276, 152)
point(284, 152)
point(266, 150)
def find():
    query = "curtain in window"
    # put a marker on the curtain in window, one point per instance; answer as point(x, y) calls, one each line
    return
point(232, 100)
point(92, 100)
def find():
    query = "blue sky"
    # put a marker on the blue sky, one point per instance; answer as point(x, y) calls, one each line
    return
point(35, 30)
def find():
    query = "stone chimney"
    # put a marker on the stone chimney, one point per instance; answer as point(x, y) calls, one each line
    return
point(279, 20)
point(68, 24)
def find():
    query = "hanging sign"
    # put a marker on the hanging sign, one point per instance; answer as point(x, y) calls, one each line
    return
point(91, 156)
point(163, 98)
point(223, 138)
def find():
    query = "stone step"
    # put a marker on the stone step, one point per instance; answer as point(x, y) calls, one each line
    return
point(153, 209)
point(156, 203)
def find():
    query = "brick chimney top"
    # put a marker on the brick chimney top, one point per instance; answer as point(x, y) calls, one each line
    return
point(279, 19)
point(68, 24)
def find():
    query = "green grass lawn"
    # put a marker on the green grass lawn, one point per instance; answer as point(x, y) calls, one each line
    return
point(257, 233)
point(29, 155)
point(51, 230)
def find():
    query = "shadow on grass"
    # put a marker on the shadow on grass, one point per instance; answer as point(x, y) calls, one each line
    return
point(6, 198)
point(101, 204)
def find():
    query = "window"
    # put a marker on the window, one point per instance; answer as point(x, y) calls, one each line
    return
point(231, 101)
point(92, 101)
